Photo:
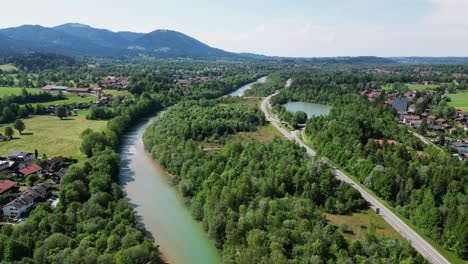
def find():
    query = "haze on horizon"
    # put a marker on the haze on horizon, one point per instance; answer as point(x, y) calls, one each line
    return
point(299, 28)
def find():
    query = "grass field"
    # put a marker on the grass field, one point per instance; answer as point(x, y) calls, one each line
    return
point(50, 135)
point(413, 87)
point(459, 100)
point(4, 91)
point(8, 67)
point(361, 223)
point(115, 92)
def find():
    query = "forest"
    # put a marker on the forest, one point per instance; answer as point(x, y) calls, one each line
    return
point(260, 202)
point(423, 184)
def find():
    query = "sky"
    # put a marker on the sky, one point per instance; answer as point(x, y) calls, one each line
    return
point(294, 28)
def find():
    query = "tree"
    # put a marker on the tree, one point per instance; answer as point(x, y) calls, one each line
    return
point(423, 127)
point(19, 125)
point(61, 112)
point(36, 153)
point(9, 132)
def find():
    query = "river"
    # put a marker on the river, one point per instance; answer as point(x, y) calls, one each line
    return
point(159, 207)
point(310, 109)
point(240, 91)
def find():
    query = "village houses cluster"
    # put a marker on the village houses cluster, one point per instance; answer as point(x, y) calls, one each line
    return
point(406, 113)
point(16, 168)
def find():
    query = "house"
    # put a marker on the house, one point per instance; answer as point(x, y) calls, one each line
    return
point(96, 89)
point(401, 114)
point(54, 88)
point(4, 165)
point(21, 156)
point(27, 200)
point(34, 168)
point(441, 120)
point(437, 129)
point(382, 142)
point(411, 108)
point(79, 90)
point(408, 119)
point(461, 147)
point(400, 104)
point(7, 186)
point(58, 175)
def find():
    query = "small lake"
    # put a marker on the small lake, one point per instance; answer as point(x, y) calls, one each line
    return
point(240, 91)
point(159, 207)
point(310, 109)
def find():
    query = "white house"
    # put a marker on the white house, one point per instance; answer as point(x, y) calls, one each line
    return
point(27, 200)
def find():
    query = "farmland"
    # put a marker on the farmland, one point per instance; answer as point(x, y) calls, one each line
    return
point(50, 135)
point(5, 91)
point(459, 100)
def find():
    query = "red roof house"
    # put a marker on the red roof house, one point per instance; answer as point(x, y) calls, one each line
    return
point(31, 170)
point(6, 186)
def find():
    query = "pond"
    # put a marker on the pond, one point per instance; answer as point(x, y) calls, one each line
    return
point(310, 109)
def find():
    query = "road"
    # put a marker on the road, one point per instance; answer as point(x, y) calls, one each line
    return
point(417, 241)
point(424, 140)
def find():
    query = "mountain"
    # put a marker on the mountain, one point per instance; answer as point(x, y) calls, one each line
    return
point(75, 39)
point(170, 43)
point(34, 38)
point(99, 37)
point(130, 36)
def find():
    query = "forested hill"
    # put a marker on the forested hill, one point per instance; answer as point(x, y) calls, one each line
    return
point(82, 40)
point(74, 39)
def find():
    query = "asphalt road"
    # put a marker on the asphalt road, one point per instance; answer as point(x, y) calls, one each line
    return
point(417, 241)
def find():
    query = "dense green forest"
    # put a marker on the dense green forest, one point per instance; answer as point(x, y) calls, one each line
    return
point(93, 222)
point(260, 202)
point(428, 188)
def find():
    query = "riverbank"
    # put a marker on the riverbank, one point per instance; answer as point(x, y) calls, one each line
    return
point(159, 208)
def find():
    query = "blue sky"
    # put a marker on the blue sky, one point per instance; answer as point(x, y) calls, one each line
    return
point(306, 28)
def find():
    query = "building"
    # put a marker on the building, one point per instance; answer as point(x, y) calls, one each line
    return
point(409, 119)
point(4, 165)
point(79, 90)
point(21, 156)
point(400, 103)
point(7, 187)
point(58, 175)
point(26, 201)
point(32, 169)
point(54, 88)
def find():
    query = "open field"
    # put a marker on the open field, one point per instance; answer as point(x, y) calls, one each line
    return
point(413, 87)
point(8, 67)
point(262, 134)
point(50, 135)
point(4, 91)
point(459, 100)
point(115, 92)
point(422, 86)
point(359, 224)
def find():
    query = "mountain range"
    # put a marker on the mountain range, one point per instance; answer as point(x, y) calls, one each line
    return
point(74, 39)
